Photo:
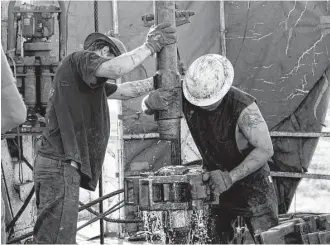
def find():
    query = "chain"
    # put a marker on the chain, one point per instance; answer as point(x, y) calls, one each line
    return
point(96, 17)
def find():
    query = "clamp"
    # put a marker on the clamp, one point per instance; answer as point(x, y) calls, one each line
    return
point(181, 18)
point(183, 189)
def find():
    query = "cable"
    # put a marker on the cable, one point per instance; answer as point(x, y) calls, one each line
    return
point(101, 216)
point(23, 157)
point(20, 238)
point(91, 210)
point(101, 199)
point(7, 192)
point(22, 209)
point(125, 221)
point(145, 71)
point(17, 239)
point(27, 163)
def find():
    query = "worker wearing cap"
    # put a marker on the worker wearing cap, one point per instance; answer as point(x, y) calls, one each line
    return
point(233, 139)
point(72, 147)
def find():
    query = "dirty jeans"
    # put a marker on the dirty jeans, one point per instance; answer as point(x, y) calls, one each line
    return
point(57, 198)
point(255, 201)
point(223, 229)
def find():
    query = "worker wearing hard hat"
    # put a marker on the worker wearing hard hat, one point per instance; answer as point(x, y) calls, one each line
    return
point(234, 142)
point(72, 148)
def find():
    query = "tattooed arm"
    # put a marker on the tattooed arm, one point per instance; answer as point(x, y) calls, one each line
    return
point(125, 63)
point(134, 89)
point(255, 129)
point(158, 36)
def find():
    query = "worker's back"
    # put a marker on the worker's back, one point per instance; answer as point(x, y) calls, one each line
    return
point(77, 118)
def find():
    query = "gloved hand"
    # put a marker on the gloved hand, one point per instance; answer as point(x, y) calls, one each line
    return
point(160, 36)
point(157, 100)
point(219, 181)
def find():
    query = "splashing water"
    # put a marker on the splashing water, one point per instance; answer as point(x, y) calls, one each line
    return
point(199, 222)
point(153, 224)
point(159, 231)
point(177, 226)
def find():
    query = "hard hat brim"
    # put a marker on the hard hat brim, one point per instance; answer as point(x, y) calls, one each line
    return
point(117, 46)
point(218, 95)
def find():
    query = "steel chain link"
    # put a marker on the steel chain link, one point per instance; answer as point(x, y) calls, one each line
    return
point(96, 16)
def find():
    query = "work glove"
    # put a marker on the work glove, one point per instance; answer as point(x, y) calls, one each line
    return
point(218, 181)
point(157, 100)
point(160, 36)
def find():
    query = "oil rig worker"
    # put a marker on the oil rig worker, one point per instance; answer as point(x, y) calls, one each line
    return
point(72, 147)
point(233, 139)
point(13, 113)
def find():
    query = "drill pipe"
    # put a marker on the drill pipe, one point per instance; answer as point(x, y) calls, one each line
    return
point(169, 121)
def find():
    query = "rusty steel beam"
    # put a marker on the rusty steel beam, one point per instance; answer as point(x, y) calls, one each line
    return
point(167, 65)
point(300, 175)
point(272, 134)
point(157, 136)
point(299, 134)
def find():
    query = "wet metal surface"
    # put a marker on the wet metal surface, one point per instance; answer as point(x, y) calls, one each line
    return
point(93, 230)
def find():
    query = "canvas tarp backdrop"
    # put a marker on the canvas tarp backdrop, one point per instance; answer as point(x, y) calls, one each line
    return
point(280, 52)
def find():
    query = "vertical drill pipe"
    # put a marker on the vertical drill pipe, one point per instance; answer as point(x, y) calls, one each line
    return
point(169, 122)
point(222, 28)
point(167, 65)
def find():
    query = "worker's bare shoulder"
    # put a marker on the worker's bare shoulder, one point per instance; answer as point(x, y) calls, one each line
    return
point(251, 117)
point(254, 127)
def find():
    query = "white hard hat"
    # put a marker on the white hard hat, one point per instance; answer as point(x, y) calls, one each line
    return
point(208, 79)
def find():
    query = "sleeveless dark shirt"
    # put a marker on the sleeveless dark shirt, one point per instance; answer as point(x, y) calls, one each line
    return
point(214, 135)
